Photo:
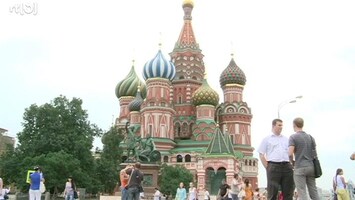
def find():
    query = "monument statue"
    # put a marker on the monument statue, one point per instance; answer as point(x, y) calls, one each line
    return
point(140, 149)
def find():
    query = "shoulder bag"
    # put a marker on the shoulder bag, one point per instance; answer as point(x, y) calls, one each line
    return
point(42, 187)
point(76, 196)
point(316, 163)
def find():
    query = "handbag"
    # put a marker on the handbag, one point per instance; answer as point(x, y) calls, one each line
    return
point(316, 163)
point(42, 187)
point(76, 194)
point(317, 168)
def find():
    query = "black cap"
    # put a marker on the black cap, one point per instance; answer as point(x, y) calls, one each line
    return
point(36, 168)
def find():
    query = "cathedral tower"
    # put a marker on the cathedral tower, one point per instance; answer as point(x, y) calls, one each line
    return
point(190, 69)
point(157, 110)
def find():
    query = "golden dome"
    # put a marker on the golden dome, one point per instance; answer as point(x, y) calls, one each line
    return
point(191, 2)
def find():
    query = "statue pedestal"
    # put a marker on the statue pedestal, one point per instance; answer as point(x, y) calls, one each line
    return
point(150, 180)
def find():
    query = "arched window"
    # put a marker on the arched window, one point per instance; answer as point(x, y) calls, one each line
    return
point(180, 99)
point(254, 163)
point(166, 159)
point(178, 158)
point(246, 162)
point(187, 158)
point(150, 129)
point(177, 129)
point(185, 128)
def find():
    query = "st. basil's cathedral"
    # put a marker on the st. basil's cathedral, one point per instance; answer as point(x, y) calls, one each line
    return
point(183, 115)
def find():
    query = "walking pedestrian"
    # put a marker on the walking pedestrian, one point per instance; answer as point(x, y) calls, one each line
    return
point(339, 185)
point(235, 186)
point(69, 189)
point(223, 190)
point(192, 192)
point(180, 192)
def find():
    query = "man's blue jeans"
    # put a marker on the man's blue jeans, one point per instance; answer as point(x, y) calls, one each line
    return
point(133, 193)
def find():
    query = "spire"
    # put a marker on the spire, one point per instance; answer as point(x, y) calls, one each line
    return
point(187, 36)
point(220, 143)
point(232, 50)
point(160, 40)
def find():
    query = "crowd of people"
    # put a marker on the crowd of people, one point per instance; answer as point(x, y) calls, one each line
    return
point(239, 189)
point(289, 168)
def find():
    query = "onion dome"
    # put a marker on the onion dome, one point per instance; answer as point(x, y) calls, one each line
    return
point(129, 85)
point(159, 66)
point(205, 95)
point(232, 75)
point(136, 103)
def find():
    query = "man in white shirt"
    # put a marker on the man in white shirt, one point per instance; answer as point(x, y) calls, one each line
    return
point(273, 153)
point(235, 186)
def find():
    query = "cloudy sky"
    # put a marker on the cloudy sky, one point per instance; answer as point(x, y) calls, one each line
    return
point(286, 49)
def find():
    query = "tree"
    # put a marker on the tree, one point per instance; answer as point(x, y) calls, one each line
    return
point(107, 165)
point(111, 141)
point(58, 137)
point(169, 185)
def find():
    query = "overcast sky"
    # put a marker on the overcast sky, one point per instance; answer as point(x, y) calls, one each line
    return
point(286, 48)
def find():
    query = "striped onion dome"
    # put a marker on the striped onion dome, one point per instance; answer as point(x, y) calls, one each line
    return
point(232, 75)
point(136, 103)
point(159, 66)
point(205, 95)
point(129, 85)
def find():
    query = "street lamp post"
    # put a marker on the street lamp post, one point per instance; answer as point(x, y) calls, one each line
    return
point(282, 104)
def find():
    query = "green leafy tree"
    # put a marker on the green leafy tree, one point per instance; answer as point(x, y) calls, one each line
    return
point(108, 164)
point(111, 141)
point(169, 185)
point(58, 137)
